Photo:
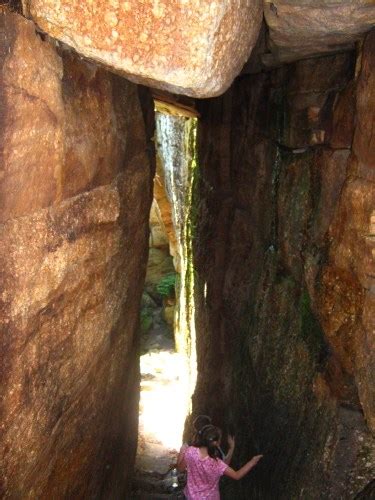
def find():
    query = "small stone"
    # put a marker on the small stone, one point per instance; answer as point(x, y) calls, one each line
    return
point(110, 18)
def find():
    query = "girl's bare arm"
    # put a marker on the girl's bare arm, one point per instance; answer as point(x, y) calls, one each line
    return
point(240, 473)
point(229, 455)
point(181, 464)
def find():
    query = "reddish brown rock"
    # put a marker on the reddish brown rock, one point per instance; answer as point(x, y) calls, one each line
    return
point(31, 132)
point(284, 288)
point(303, 109)
point(348, 311)
point(352, 254)
point(364, 139)
point(192, 48)
point(304, 28)
point(341, 135)
point(75, 194)
point(330, 168)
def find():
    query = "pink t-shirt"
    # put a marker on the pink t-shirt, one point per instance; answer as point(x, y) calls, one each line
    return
point(203, 475)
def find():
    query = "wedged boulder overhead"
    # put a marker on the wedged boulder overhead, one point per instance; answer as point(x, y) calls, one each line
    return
point(304, 28)
point(195, 48)
point(75, 191)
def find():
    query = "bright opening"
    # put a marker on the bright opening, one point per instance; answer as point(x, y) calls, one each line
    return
point(168, 361)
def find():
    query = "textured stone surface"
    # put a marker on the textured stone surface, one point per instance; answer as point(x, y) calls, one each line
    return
point(171, 183)
point(364, 139)
point(304, 28)
point(195, 48)
point(34, 121)
point(164, 206)
point(75, 193)
point(284, 259)
point(351, 267)
point(158, 235)
point(303, 110)
point(160, 261)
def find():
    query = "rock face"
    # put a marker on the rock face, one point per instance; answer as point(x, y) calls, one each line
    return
point(177, 153)
point(164, 210)
point(195, 48)
point(284, 252)
point(304, 28)
point(350, 273)
point(75, 191)
point(160, 261)
point(158, 234)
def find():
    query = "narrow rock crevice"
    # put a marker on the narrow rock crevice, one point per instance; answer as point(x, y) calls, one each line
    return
point(163, 256)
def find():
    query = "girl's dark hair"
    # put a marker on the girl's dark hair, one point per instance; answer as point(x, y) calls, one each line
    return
point(206, 437)
point(201, 421)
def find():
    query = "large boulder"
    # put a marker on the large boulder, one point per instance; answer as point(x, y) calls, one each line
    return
point(195, 48)
point(75, 191)
point(304, 28)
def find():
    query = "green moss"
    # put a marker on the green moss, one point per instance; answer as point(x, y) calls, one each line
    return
point(194, 175)
point(311, 330)
point(192, 213)
point(167, 285)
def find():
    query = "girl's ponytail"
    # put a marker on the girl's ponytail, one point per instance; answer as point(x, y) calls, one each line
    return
point(210, 436)
point(213, 451)
point(199, 423)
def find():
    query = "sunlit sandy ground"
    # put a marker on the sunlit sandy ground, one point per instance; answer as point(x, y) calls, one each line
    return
point(163, 408)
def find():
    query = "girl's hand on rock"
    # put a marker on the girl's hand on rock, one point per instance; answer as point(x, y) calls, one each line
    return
point(257, 458)
point(231, 441)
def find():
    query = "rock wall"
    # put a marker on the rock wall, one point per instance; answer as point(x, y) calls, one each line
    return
point(176, 147)
point(75, 192)
point(284, 252)
point(164, 207)
point(160, 261)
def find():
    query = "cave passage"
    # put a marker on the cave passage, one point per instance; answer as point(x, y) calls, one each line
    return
point(167, 309)
point(258, 305)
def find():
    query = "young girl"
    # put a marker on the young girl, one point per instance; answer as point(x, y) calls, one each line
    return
point(204, 468)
